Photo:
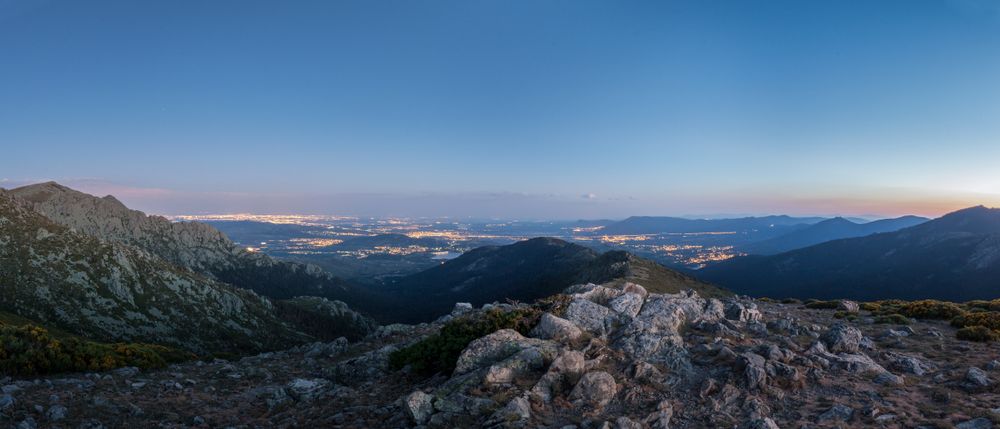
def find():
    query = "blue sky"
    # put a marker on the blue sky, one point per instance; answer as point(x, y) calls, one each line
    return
point(534, 109)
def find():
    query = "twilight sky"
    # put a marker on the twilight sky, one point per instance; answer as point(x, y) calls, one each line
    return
point(529, 109)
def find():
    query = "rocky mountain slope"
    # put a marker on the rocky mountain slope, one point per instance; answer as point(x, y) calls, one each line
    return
point(523, 271)
point(596, 357)
point(191, 245)
point(114, 292)
point(827, 230)
point(955, 257)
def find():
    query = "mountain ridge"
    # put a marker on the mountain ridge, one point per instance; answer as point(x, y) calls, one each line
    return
point(955, 257)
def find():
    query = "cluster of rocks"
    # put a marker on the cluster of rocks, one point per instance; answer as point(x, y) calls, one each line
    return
point(609, 358)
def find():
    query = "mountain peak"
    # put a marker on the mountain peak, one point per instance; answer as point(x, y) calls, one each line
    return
point(978, 219)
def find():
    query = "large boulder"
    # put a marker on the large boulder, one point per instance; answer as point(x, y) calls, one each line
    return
point(552, 327)
point(657, 326)
point(842, 338)
point(742, 312)
point(498, 346)
point(588, 315)
point(627, 304)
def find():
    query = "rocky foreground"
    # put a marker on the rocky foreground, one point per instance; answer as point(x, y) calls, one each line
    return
point(608, 358)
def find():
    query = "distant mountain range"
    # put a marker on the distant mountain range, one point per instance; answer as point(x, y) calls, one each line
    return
point(92, 267)
point(663, 225)
point(522, 271)
point(955, 257)
point(827, 230)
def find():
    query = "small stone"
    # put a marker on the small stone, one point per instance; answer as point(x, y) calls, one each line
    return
point(56, 413)
point(977, 377)
point(27, 423)
point(848, 306)
point(7, 401)
point(980, 423)
point(419, 406)
point(993, 365)
point(198, 421)
point(517, 409)
point(889, 379)
point(837, 412)
point(595, 388)
point(764, 423)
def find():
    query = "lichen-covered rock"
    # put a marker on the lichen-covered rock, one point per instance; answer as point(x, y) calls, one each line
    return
point(552, 327)
point(848, 306)
point(594, 318)
point(419, 407)
point(595, 388)
point(842, 338)
point(977, 378)
point(627, 304)
point(498, 346)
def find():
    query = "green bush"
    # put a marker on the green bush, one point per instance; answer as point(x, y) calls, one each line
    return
point(894, 319)
point(439, 352)
point(791, 301)
point(845, 315)
point(976, 333)
point(986, 319)
point(931, 309)
point(822, 305)
point(31, 350)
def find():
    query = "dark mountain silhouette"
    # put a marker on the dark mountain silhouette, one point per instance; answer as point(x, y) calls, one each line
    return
point(523, 271)
point(660, 224)
point(955, 257)
point(827, 230)
point(393, 240)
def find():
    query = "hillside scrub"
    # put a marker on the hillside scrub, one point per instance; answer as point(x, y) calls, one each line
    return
point(439, 352)
point(32, 350)
point(977, 320)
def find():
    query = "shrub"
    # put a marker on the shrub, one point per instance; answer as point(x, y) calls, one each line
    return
point(845, 315)
point(894, 319)
point(439, 352)
point(766, 299)
point(874, 307)
point(791, 301)
point(976, 333)
point(986, 319)
point(31, 350)
point(822, 305)
point(993, 305)
point(931, 309)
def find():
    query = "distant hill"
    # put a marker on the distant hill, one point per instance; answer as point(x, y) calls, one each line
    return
point(191, 245)
point(830, 229)
point(391, 240)
point(955, 257)
point(524, 271)
point(661, 224)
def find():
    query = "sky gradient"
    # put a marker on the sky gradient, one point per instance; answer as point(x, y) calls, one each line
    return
point(528, 109)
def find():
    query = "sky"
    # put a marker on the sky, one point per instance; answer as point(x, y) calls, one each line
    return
point(508, 109)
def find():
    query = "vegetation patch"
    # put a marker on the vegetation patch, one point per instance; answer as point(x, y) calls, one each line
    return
point(439, 353)
point(31, 350)
point(822, 305)
point(976, 333)
point(893, 319)
point(987, 319)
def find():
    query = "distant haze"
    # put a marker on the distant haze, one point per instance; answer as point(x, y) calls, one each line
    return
point(515, 109)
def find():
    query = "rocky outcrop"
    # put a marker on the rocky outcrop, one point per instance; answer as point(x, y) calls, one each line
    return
point(113, 292)
point(680, 361)
point(191, 246)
